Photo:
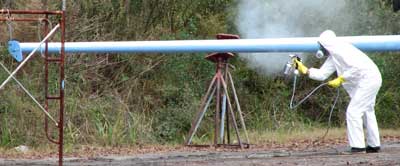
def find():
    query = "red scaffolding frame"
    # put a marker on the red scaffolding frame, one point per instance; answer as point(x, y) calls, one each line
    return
point(59, 60)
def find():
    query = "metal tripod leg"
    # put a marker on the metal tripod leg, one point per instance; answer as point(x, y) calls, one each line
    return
point(217, 108)
point(202, 110)
point(238, 107)
point(222, 122)
point(223, 112)
point(232, 113)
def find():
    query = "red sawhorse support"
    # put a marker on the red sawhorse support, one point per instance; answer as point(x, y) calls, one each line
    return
point(59, 60)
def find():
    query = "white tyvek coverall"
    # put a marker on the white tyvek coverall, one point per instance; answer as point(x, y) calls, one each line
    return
point(362, 83)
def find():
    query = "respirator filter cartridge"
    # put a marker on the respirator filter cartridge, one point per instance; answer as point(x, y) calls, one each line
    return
point(320, 54)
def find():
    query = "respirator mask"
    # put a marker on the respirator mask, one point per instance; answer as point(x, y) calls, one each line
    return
point(322, 52)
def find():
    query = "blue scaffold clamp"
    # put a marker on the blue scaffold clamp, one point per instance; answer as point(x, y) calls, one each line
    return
point(15, 50)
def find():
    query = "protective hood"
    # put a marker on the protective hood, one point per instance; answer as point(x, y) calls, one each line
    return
point(328, 39)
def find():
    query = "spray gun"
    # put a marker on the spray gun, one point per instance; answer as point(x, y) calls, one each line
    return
point(290, 67)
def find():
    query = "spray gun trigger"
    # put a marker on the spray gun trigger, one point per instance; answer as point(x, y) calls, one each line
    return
point(294, 56)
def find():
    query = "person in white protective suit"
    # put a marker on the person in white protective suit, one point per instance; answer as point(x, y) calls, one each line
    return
point(361, 79)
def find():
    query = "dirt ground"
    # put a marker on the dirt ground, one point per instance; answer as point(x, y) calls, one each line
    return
point(294, 153)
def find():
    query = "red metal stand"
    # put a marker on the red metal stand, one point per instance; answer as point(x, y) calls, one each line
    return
point(59, 60)
point(219, 87)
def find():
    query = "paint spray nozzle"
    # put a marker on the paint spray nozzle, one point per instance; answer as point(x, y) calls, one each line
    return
point(290, 66)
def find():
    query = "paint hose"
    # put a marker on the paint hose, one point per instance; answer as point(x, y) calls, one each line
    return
point(293, 106)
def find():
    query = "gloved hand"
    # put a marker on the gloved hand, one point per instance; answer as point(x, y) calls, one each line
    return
point(336, 82)
point(300, 66)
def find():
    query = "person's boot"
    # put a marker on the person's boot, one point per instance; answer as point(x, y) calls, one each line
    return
point(371, 149)
point(357, 150)
point(353, 150)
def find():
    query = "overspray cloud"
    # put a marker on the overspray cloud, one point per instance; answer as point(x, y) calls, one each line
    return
point(295, 18)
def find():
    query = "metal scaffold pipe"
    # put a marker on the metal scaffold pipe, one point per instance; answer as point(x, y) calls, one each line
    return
point(301, 44)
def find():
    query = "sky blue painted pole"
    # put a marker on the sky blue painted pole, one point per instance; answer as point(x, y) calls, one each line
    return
point(305, 44)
